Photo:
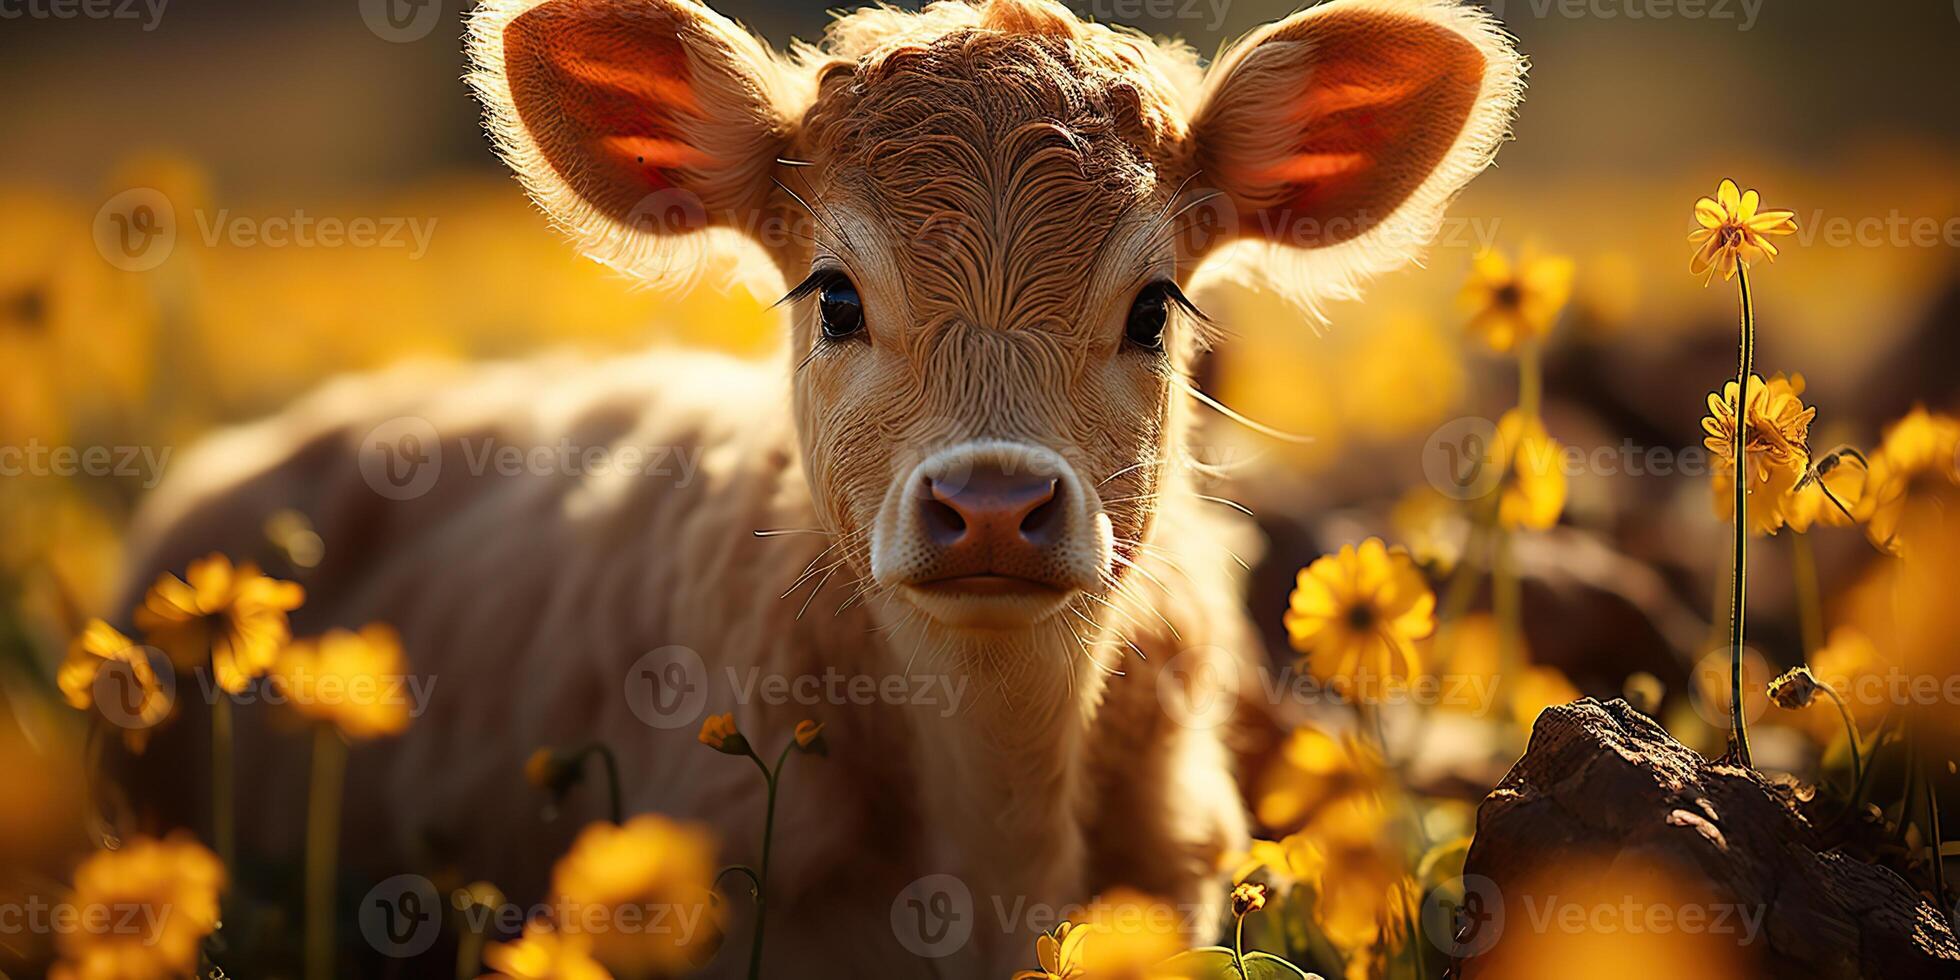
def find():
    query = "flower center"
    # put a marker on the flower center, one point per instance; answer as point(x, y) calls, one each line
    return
point(1510, 295)
point(1730, 235)
point(1361, 617)
point(27, 309)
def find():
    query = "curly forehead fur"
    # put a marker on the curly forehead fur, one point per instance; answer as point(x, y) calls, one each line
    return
point(1012, 137)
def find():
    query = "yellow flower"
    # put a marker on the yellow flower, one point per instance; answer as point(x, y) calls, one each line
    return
point(1123, 935)
point(1734, 231)
point(1287, 861)
point(172, 885)
point(101, 648)
point(1508, 306)
point(641, 892)
point(1778, 434)
point(1914, 480)
point(1433, 527)
point(349, 680)
point(1314, 770)
point(1776, 448)
point(543, 953)
point(235, 616)
point(1808, 506)
point(1357, 614)
point(1537, 688)
point(1531, 492)
point(1057, 953)
point(718, 733)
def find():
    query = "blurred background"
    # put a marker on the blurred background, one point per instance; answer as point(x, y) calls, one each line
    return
point(238, 110)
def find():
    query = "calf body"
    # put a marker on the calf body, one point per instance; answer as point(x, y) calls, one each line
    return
point(977, 455)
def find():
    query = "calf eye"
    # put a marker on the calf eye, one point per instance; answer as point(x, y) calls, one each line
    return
point(840, 308)
point(1148, 314)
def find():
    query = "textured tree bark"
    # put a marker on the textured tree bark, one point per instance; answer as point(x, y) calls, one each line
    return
point(1749, 875)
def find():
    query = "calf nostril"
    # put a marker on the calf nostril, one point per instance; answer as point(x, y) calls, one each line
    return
point(1043, 523)
point(943, 521)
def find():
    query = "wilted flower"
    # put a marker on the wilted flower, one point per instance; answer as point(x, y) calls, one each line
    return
point(809, 737)
point(1531, 493)
point(99, 648)
point(1357, 614)
point(543, 953)
point(344, 678)
point(1795, 689)
point(1734, 231)
point(718, 733)
point(1248, 897)
point(174, 883)
point(650, 866)
point(1511, 305)
point(236, 616)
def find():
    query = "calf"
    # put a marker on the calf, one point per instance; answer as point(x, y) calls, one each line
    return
point(964, 503)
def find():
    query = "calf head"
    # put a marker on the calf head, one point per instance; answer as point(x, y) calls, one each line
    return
point(992, 211)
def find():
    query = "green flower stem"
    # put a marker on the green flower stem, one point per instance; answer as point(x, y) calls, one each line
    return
point(1738, 728)
point(769, 776)
point(1850, 735)
point(1810, 607)
point(322, 843)
point(616, 806)
point(1530, 378)
point(223, 837)
point(1238, 949)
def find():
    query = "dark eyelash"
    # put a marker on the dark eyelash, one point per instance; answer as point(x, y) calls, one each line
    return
point(1183, 302)
point(816, 280)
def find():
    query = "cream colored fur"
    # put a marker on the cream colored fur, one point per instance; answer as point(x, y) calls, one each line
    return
point(997, 260)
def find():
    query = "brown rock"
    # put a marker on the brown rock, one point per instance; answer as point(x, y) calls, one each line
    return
point(1611, 839)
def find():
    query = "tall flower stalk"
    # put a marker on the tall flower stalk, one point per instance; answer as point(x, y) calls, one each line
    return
point(718, 732)
point(1734, 232)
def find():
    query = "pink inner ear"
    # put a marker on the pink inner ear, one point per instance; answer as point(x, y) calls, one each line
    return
point(603, 95)
point(1385, 98)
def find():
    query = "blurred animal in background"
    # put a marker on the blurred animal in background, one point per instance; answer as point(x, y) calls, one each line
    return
point(975, 469)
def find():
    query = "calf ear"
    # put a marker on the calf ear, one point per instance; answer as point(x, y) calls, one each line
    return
point(1339, 135)
point(633, 123)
